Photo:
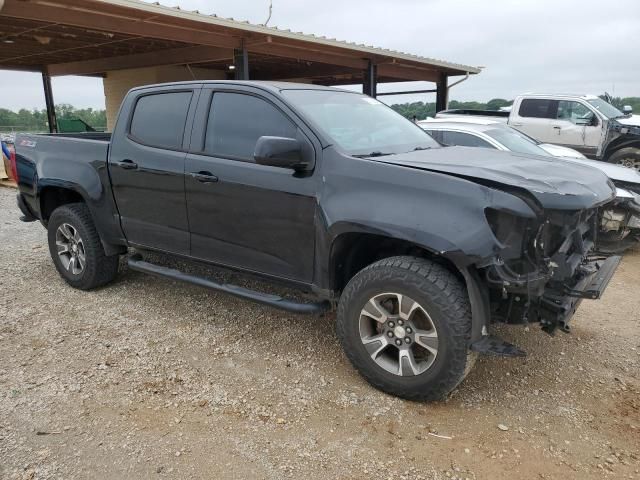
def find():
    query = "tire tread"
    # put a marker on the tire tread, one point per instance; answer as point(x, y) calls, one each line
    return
point(446, 291)
point(100, 269)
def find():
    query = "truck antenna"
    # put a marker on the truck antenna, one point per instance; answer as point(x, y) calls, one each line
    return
point(270, 11)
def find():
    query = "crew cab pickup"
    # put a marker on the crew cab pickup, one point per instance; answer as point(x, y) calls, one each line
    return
point(420, 248)
point(584, 122)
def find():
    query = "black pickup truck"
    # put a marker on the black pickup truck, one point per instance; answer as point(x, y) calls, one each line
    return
point(419, 247)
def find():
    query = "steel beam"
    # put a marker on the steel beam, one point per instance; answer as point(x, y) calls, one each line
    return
point(442, 93)
point(175, 56)
point(409, 92)
point(407, 72)
point(135, 27)
point(241, 62)
point(51, 108)
point(312, 55)
point(370, 80)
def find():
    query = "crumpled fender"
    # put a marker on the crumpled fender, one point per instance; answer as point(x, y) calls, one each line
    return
point(438, 212)
point(441, 213)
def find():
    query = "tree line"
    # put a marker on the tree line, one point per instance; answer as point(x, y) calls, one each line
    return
point(36, 120)
point(422, 110)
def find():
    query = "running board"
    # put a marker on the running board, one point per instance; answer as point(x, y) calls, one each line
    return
point(490, 345)
point(136, 262)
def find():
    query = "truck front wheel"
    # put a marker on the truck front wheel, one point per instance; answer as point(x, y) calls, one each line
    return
point(76, 250)
point(627, 157)
point(405, 325)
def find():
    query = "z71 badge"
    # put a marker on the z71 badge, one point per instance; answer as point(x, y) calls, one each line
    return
point(28, 143)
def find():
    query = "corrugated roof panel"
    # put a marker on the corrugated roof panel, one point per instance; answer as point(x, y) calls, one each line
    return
point(158, 8)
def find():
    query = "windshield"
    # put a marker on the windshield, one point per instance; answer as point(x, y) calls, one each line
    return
point(514, 141)
point(605, 108)
point(358, 124)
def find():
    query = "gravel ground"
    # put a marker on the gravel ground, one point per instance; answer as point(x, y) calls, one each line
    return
point(148, 378)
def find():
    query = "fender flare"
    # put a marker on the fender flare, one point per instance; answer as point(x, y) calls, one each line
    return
point(477, 291)
point(44, 183)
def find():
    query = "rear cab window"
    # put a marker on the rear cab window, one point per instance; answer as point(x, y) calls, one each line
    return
point(538, 108)
point(159, 119)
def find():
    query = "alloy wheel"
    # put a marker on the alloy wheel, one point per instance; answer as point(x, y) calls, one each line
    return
point(70, 248)
point(630, 163)
point(398, 334)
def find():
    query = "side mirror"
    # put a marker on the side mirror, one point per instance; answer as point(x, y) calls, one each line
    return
point(627, 109)
point(591, 121)
point(280, 152)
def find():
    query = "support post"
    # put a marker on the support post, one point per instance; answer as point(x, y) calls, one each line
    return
point(48, 98)
point(370, 80)
point(442, 93)
point(241, 61)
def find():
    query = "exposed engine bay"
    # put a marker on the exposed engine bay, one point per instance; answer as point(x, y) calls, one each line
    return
point(620, 221)
point(546, 268)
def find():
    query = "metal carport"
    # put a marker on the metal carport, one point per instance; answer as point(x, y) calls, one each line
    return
point(129, 43)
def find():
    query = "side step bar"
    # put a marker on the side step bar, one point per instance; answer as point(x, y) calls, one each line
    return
point(136, 262)
point(490, 345)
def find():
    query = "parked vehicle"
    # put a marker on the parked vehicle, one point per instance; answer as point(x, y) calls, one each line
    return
point(582, 122)
point(619, 220)
point(420, 248)
point(7, 169)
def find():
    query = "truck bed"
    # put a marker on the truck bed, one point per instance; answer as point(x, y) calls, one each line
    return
point(98, 136)
point(462, 112)
point(47, 160)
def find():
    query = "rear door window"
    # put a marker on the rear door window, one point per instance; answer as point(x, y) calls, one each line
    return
point(237, 121)
point(463, 139)
point(538, 108)
point(159, 119)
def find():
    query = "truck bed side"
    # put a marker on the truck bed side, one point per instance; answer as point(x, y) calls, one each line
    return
point(465, 113)
point(58, 169)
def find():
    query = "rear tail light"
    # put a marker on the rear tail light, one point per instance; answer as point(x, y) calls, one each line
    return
point(13, 174)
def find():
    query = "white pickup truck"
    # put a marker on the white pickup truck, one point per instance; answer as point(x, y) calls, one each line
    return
point(582, 122)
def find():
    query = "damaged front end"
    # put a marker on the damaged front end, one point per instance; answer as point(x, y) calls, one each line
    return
point(546, 266)
point(620, 223)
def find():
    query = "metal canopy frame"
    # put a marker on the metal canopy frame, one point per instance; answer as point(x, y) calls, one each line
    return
point(94, 37)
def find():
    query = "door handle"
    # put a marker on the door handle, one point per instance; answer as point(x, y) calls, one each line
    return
point(557, 127)
point(204, 177)
point(127, 164)
point(516, 124)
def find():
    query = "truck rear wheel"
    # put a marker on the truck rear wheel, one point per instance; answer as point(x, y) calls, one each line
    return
point(76, 250)
point(405, 325)
point(627, 157)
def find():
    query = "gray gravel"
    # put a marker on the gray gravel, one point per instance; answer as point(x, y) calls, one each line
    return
point(147, 378)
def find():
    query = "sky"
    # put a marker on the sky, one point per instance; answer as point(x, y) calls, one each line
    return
point(572, 46)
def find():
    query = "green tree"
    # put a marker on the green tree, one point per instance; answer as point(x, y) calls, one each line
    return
point(36, 120)
point(497, 103)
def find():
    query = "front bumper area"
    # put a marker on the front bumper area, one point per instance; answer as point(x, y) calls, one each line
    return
point(557, 308)
point(562, 272)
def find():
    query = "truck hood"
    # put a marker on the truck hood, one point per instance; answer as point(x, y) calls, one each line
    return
point(560, 151)
point(632, 121)
point(555, 184)
point(617, 173)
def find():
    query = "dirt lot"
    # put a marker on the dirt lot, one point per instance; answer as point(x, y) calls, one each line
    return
point(152, 379)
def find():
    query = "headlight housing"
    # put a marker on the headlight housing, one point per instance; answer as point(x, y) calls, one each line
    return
point(518, 238)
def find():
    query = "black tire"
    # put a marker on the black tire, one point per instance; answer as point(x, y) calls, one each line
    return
point(99, 269)
point(440, 293)
point(627, 157)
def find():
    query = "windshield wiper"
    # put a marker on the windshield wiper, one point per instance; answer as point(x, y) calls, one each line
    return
point(421, 148)
point(372, 154)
